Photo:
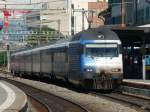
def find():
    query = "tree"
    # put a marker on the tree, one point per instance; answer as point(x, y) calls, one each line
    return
point(3, 59)
point(44, 36)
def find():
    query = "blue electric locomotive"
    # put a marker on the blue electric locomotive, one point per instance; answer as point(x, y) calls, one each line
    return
point(91, 58)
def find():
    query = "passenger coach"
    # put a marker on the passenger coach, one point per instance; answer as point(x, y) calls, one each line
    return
point(91, 58)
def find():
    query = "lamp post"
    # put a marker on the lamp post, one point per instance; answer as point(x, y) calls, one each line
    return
point(123, 14)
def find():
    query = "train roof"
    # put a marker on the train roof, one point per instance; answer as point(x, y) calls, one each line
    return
point(100, 33)
point(40, 48)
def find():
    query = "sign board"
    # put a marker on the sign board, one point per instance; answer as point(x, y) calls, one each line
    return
point(6, 13)
point(147, 60)
point(147, 68)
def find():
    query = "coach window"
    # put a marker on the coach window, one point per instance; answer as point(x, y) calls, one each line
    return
point(66, 54)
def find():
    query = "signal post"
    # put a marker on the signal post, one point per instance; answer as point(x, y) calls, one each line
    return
point(6, 42)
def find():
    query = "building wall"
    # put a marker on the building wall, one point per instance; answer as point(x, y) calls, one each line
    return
point(78, 23)
point(116, 11)
point(94, 5)
point(54, 15)
point(143, 12)
point(137, 12)
point(97, 7)
point(60, 23)
point(64, 18)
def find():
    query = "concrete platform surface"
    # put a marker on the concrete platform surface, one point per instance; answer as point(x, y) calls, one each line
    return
point(143, 84)
point(12, 99)
point(137, 81)
point(137, 87)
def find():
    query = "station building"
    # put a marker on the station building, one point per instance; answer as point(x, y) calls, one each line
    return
point(137, 12)
point(67, 16)
point(136, 51)
point(134, 37)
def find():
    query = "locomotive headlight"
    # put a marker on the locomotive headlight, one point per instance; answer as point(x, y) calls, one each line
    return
point(116, 70)
point(89, 70)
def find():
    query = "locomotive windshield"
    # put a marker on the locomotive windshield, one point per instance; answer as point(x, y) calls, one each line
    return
point(102, 50)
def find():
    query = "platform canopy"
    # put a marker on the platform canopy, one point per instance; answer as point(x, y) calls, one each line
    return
point(136, 36)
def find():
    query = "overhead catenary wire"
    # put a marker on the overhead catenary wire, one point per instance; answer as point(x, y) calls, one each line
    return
point(31, 3)
point(33, 9)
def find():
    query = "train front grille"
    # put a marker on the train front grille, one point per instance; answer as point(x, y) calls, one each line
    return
point(102, 81)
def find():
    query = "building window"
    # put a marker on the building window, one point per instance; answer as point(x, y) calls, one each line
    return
point(147, 13)
point(140, 16)
point(44, 6)
point(114, 1)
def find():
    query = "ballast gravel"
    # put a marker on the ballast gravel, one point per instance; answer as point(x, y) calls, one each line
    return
point(91, 103)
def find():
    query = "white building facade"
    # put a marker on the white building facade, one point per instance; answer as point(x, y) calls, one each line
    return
point(65, 16)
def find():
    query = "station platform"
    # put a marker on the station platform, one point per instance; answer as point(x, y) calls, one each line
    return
point(12, 99)
point(143, 84)
point(137, 87)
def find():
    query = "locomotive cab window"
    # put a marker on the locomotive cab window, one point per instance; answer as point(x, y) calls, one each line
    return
point(102, 50)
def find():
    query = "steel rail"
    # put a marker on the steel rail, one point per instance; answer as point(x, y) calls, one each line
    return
point(52, 102)
point(128, 99)
point(36, 102)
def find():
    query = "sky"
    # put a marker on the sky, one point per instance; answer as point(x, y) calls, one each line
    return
point(24, 1)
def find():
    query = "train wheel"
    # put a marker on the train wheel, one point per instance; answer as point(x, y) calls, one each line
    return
point(53, 77)
point(88, 84)
point(40, 76)
point(102, 81)
point(66, 79)
point(13, 73)
point(20, 75)
point(117, 85)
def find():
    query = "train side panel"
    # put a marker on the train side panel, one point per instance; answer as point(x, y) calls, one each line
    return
point(21, 64)
point(13, 64)
point(60, 63)
point(46, 62)
point(36, 62)
point(28, 63)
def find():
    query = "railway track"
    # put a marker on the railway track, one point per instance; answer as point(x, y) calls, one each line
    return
point(135, 101)
point(51, 102)
point(35, 106)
